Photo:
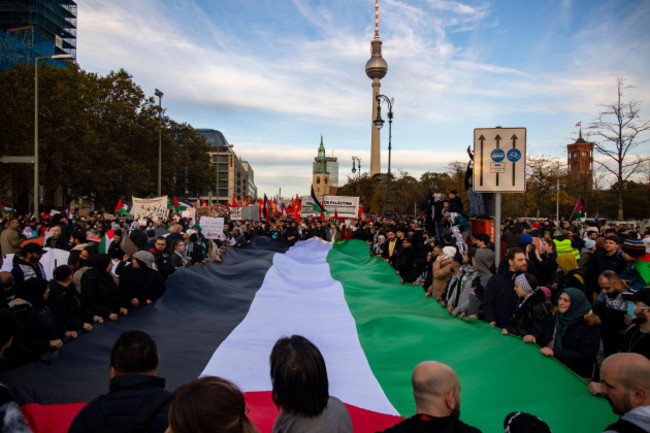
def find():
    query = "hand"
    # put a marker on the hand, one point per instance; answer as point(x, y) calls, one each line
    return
point(504, 331)
point(88, 327)
point(71, 334)
point(493, 324)
point(124, 311)
point(529, 339)
point(628, 320)
point(98, 319)
point(56, 344)
point(135, 302)
point(595, 388)
point(112, 316)
point(546, 351)
point(401, 281)
point(125, 258)
point(149, 302)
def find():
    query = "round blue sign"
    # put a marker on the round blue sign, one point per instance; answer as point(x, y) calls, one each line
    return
point(497, 155)
point(514, 155)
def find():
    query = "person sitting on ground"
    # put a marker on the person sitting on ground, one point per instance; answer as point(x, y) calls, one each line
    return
point(11, 418)
point(625, 382)
point(100, 295)
point(40, 330)
point(436, 391)
point(177, 258)
point(137, 400)
point(462, 301)
point(301, 390)
point(65, 302)
point(163, 263)
point(140, 281)
point(209, 405)
point(532, 312)
point(57, 239)
point(574, 335)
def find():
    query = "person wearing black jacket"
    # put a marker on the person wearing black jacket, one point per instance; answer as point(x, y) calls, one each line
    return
point(140, 282)
point(543, 264)
point(40, 329)
point(574, 336)
point(65, 302)
point(99, 293)
point(500, 299)
point(533, 312)
point(455, 203)
point(137, 399)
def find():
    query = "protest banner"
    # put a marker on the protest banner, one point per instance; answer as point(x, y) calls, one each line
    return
point(211, 228)
point(344, 206)
point(154, 208)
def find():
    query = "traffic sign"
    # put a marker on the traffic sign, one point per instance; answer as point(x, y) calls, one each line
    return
point(499, 160)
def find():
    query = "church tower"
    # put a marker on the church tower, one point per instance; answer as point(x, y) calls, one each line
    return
point(376, 68)
point(321, 177)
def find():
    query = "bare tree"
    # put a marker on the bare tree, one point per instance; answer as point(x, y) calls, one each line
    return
point(619, 128)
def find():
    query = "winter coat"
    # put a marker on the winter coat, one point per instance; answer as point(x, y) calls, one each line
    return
point(442, 271)
point(580, 346)
point(99, 293)
point(142, 284)
point(65, 303)
point(39, 326)
point(531, 315)
point(500, 300)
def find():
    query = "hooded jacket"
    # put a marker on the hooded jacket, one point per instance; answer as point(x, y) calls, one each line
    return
point(500, 299)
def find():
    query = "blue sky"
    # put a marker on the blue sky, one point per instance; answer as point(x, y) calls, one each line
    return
point(273, 75)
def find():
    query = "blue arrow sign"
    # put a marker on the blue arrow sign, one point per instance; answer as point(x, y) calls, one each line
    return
point(497, 155)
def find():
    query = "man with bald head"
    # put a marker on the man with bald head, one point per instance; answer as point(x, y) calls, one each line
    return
point(437, 402)
point(625, 382)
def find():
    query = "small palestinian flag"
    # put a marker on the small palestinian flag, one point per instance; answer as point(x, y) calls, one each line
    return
point(179, 205)
point(6, 209)
point(122, 208)
point(106, 242)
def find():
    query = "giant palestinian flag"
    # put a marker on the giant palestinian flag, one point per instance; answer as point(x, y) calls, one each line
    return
point(223, 319)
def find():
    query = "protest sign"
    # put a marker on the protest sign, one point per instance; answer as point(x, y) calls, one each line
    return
point(211, 228)
point(154, 208)
point(344, 206)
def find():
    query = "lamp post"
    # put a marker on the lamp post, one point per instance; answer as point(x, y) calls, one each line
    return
point(159, 94)
point(379, 122)
point(354, 170)
point(36, 59)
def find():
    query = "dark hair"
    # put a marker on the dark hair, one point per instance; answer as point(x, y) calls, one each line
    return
point(99, 261)
point(161, 238)
point(134, 352)
point(483, 238)
point(299, 376)
point(79, 235)
point(174, 243)
point(118, 232)
point(209, 404)
point(61, 273)
point(32, 291)
point(532, 280)
point(8, 326)
point(510, 254)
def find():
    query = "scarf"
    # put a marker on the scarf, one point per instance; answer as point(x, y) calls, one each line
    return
point(577, 310)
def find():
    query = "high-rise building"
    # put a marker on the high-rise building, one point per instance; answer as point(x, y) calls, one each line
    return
point(376, 68)
point(234, 176)
point(36, 28)
point(321, 178)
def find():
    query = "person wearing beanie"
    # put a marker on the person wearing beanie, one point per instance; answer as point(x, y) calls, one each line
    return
point(637, 272)
point(522, 422)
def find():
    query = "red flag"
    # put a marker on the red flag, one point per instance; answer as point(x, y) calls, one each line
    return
point(360, 210)
point(336, 214)
point(204, 203)
point(228, 208)
point(322, 206)
point(234, 201)
point(120, 205)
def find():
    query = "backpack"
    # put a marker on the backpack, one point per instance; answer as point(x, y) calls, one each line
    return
point(98, 423)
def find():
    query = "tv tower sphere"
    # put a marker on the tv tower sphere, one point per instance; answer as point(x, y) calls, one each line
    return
point(376, 66)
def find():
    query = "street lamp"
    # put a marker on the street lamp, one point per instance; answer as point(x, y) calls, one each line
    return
point(36, 59)
point(379, 122)
point(159, 94)
point(354, 170)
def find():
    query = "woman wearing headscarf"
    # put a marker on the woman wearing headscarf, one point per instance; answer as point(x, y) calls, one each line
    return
point(40, 329)
point(140, 282)
point(99, 292)
point(574, 337)
point(532, 311)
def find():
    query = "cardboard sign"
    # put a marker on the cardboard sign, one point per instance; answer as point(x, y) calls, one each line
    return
point(211, 228)
point(154, 208)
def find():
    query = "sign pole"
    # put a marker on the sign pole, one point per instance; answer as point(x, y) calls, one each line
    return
point(497, 228)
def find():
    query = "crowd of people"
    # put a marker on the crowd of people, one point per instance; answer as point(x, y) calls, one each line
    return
point(579, 292)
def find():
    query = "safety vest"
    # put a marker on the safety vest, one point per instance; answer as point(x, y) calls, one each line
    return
point(564, 247)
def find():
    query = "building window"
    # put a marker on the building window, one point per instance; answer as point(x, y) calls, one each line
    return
point(325, 181)
point(318, 180)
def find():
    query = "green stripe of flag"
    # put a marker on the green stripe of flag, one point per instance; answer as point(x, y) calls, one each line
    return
point(398, 327)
